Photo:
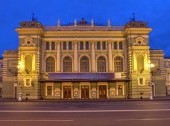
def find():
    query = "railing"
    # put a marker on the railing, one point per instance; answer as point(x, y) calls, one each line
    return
point(83, 28)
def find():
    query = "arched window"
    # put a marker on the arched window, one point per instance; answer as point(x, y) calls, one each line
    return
point(28, 64)
point(140, 63)
point(50, 64)
point(67, 64)
point(84, 64)
point(118, 64)
point(101, 64)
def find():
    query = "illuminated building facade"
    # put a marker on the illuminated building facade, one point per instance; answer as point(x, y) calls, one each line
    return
point(1, 66)
point(167, 73)
point(80, 61)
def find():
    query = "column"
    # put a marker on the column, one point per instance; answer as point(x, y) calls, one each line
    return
point(110, 61)
point(58, 57)
point(93, 58)
point(75, 60)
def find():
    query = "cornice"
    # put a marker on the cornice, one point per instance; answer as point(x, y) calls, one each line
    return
point(140, 48)
point(138, 30)
point(22, 31)
point(83, 34)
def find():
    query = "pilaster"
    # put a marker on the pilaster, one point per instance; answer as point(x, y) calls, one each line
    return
point(75, 60)
point(58, 57)
point(93, 56)
point(110, 57)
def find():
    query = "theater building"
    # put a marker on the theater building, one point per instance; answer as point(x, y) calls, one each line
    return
point(82, 60)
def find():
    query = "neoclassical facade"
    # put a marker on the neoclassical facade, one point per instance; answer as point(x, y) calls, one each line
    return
point(80, 61)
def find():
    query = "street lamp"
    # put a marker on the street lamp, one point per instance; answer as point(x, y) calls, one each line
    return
point(20, 69)
point(151, 83)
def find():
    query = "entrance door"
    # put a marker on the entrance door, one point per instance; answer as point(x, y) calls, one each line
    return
point(67, 92)
point(85, 92)
point(102, 91)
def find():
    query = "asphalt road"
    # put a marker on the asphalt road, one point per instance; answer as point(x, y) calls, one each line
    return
point(116, 113)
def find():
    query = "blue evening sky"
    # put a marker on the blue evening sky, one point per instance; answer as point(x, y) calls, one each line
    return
point(154, 12)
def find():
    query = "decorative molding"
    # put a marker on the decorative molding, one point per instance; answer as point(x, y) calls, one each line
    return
point(139, 41)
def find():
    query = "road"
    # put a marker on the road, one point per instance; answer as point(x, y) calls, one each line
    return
point(112, 113)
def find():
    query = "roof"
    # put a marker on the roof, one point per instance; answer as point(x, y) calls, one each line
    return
point(83, 25)
point(30, 24)
point(136, 24)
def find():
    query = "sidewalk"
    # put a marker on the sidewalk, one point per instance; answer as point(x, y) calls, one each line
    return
point(163, 98)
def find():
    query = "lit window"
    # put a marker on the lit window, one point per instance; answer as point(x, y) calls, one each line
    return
point(50, 64)
point(84, 64)
point(81, 45)
point(115, 45)
point(101, 64)
point(28, 82)
point(53, 46)
point(64, 45)
point(118, 64)
point(87, 46)
point(70, 45)
point(98, 45)
point(141, 81)
point(28, 64)
point(67, 64)
point(49, 90)
point(47, 46)
point(120, 45)
point(140, 63)
point(103, 45)
point(120, 90)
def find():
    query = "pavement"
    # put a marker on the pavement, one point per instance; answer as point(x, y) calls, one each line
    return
point(162, 98)
point(93, 113)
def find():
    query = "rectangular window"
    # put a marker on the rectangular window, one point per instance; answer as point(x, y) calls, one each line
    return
point(81, 45)
point(115, 45)
point(98, 45)
point(120, 90)
point(27, 82)
point(49, 90)
point(120, 45)
point(52, 45)
point(87, 46)
point(47, 46)
point(70, 45)
point(64, 45)
point(141, 81)
point(104, 45)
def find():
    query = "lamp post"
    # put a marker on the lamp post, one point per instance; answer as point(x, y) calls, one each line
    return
point(20, 68)
point(151, 83)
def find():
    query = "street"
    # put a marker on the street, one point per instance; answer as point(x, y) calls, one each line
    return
point(80, 113)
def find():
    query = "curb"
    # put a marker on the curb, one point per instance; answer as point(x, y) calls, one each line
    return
point(83, 100)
